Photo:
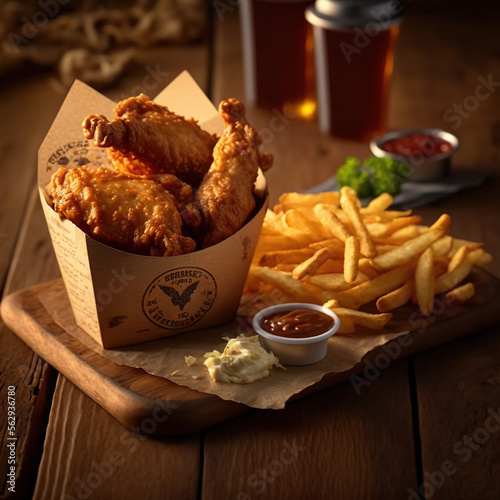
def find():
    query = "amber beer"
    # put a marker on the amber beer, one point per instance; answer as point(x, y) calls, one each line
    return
point(354, 48)
point(278, 55)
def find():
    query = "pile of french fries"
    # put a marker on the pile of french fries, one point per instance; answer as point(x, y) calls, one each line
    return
point(327, 249)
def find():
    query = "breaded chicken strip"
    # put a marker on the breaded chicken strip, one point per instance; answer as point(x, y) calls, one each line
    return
point(133, 214)
point(146, 138)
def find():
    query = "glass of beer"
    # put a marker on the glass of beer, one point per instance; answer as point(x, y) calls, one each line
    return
point(278, 55)
point(354, 43)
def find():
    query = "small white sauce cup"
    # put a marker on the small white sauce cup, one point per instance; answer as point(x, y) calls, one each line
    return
point(295, 351)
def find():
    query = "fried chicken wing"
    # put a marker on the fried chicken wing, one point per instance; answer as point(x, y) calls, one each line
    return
point(134, 214)
point(226, 194)
point(146, 138)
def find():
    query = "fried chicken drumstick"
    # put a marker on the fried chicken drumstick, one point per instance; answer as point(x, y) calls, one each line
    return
point(146, 138)
point(226, 194)
point(134, 214)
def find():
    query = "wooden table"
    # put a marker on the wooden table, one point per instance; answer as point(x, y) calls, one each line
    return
point(429, 422)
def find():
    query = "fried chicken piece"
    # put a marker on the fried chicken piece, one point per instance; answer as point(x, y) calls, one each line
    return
point(226, 194)
point(134, 214)
point(146, 138)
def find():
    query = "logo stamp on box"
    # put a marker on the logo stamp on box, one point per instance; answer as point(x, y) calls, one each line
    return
point(179, 297)
point(77, 154)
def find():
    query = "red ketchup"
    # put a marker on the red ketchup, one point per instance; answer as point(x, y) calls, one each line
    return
point(298, 323)
point(417, 145)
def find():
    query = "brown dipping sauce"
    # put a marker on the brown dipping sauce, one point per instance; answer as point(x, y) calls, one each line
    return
point(297, 323)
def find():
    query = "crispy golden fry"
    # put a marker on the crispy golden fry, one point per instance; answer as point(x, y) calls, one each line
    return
point(378, 204)
point(405, 233)
point(451, 279)
point(397, 297)
point(386, 216)
point(457, 258)
point(335, 246)
point(408, 251)
point(374, 288)
point(347, 327)
point(458, 242)
point(351, 259)
point(283, 281)
point(289, 256)
point(336, 281)
point(366, 267)
point(398, 224)
point(442, 246)
point(294, 200)
point(294, 218)
point(364, 319)
point(331, 222)
point(443, 222)
point(349, 205)
point(461, 294)
point(424, 281)
point(332, 266)
point(311, 265)
point(367, 320)
point(317, 294)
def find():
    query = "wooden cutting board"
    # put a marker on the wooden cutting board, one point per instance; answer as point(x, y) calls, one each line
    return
point(154, 405)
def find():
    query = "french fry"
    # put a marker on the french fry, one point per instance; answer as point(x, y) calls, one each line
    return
point(408, 250)
point(374, 288)
point(442, 246)
point(332, 303)
point(349, 205)
point(461, 294)
point(443, 222)
point(347, 327)
point(331, 266)
point(366, 267)
point(311, 265)
point(406, 233)
point(387, 215)
point(294, 200)
point(336, 281)
point(364, 319)
point(378, 204)
point(367, 320)
point(283, 281)
point(400, 223)
point(318, 295)
point(288, 256)
point(335, 245)
point(451, 279)
point(331, 222)
point(351, 259)
point(459, 242)
point(424, 281)
point(458, 258)
point(398, 297)
point(295, 219)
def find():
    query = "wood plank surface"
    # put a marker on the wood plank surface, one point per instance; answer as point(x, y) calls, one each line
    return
point(458, 387)
point(88, 454)
point(334, 444)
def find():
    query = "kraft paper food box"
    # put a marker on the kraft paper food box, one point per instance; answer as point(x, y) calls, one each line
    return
point(115, 295)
